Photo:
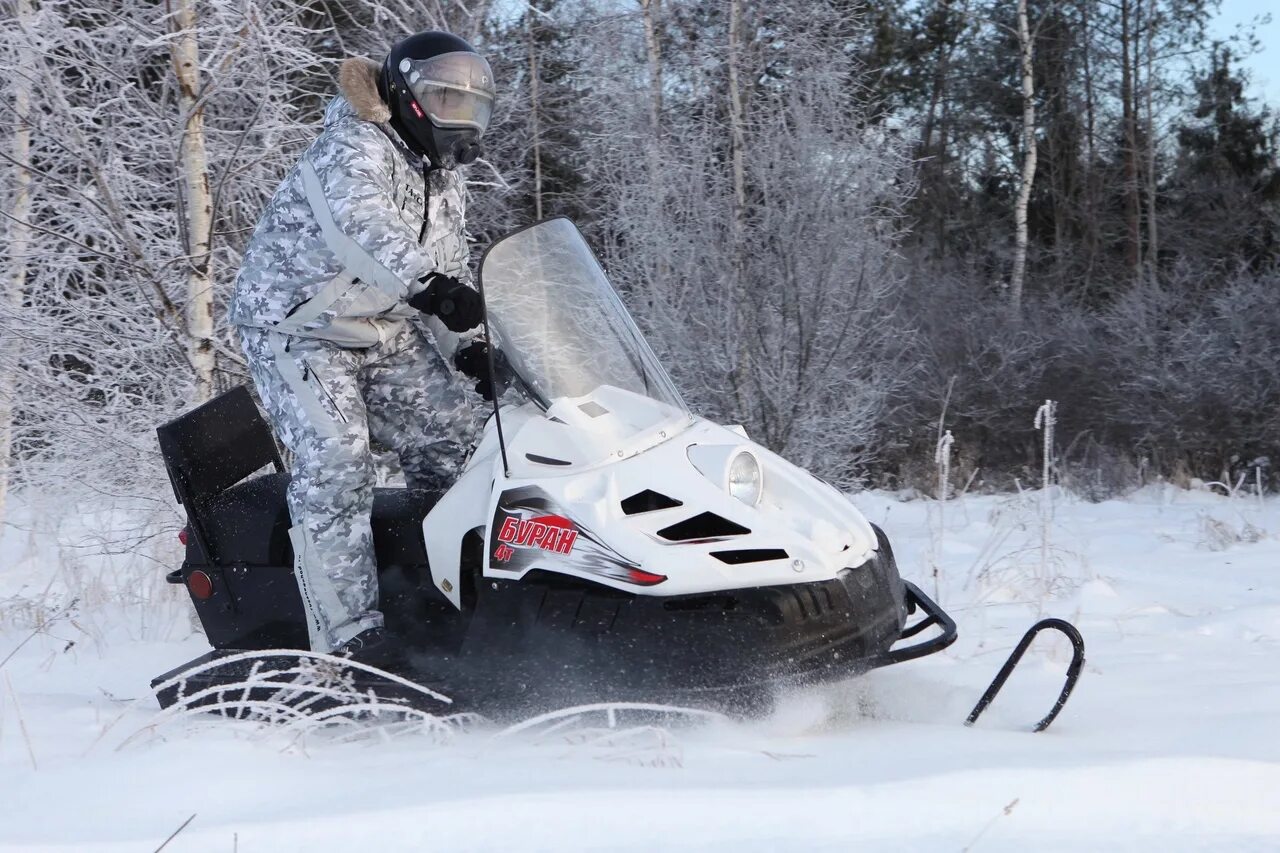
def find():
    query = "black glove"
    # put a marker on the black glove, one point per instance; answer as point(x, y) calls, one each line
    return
point(458, 306)
point(473, 360)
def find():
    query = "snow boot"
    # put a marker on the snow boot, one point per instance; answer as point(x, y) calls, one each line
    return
point(376, 647)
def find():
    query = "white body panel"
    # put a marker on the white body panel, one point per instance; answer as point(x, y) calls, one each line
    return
point(578, 462)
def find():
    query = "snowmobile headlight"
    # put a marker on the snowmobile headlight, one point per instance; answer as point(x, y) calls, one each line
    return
point(746, 481)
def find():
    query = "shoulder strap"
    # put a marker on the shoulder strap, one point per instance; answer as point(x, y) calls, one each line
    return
point(426, 200)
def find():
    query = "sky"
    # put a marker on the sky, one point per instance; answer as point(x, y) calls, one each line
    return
point(1265, 66)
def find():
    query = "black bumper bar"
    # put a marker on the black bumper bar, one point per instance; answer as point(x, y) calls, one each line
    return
point(933, 616)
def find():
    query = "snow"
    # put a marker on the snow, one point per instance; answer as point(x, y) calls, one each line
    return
point(1168, 743)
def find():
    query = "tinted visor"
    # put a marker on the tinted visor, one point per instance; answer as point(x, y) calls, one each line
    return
point(455, 89)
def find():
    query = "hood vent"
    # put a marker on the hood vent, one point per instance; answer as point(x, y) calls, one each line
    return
point(546, 460)
point(705, 526)
point(749, 555)
point(648, 501)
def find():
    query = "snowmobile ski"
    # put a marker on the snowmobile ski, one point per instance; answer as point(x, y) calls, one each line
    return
point(1073, 670)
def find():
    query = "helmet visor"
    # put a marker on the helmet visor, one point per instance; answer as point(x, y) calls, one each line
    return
point(455, 89)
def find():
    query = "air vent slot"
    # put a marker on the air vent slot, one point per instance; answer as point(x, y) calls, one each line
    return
point(648, 501)
point(706, 525)
point(749, 555)
point(545, 460)
point(593, 409)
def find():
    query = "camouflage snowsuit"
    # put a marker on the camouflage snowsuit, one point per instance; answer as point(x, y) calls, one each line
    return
point(338, 356)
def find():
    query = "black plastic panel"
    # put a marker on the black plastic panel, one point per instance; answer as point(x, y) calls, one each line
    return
point(216, 445)
point(749, 555)
point(706, 525)
point(648, 501)
point(546, 460)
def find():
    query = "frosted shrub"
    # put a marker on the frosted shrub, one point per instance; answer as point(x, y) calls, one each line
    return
point(302, 694)
point(937, 533)
point(1045, 421)
point(1217, 534)
point(993, 364)
point(774, 308)
point(624, 732)
point(1020, 557)
point(1189, 373)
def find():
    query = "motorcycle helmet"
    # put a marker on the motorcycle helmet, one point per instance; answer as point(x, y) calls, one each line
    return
point(441, 95)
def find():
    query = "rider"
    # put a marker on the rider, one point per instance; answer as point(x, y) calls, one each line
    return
point(353, 296)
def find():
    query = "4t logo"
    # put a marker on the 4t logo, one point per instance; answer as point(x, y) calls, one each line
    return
point(552, 533)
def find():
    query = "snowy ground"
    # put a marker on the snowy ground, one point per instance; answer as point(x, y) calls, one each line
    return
point(1170, 742)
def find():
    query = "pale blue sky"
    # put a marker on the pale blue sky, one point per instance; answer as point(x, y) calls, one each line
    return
point(1266, 64)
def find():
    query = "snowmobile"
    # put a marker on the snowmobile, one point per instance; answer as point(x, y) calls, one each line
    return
point(601, 542)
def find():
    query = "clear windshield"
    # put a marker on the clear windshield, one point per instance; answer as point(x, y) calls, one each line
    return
point(558, 323)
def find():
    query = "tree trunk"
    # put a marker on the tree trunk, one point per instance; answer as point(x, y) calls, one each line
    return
point(1029, 157)
point(940, 62)
point(1128, 112)
point(19, 243)
point(737, 122)
point(938, 114)
point(1153, 229)
point(1091, 230)
point(735, 292)
point(535, 128)
point(651, 9)
point(185, 54)
point(658, 177)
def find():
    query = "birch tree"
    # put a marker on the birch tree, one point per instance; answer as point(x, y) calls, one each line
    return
point(22, 72)
point(198, 202)
point(1026, 52)
point(652, 12)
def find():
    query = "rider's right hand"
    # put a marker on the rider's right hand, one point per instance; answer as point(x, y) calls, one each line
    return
point(459, 307)
point(473, 360)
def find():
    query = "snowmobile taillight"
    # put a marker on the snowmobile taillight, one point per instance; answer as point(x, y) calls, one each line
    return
point(643, 578)
point(184, 537)
point(201, 585)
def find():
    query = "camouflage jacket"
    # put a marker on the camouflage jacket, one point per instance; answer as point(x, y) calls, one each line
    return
point(351, 230)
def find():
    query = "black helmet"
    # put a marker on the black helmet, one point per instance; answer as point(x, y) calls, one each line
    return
point(441, 96)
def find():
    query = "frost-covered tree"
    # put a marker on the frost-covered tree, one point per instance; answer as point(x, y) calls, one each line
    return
point(156, 134)
point(748, 211)
point(146, 137)
point(1225, 189)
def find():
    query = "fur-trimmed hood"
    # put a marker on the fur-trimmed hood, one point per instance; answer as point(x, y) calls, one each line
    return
point(358, 82)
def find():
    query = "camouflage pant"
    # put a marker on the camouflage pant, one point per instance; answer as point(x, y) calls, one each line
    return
point(325, 403)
